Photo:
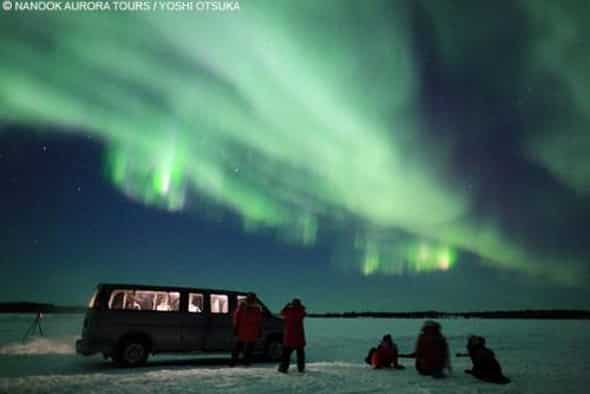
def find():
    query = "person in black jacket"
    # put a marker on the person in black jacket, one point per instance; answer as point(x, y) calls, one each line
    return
point(485, 366)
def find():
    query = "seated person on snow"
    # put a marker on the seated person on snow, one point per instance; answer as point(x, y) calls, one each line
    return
point(485, 366)
point(385, 355)
point(432, 351)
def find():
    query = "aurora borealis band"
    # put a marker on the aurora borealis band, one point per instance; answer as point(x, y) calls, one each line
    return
point(411, 134)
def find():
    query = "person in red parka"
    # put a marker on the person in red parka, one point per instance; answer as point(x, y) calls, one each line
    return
point(385, 355)
point(293, 335)
point(247, 321)
point(432, 351)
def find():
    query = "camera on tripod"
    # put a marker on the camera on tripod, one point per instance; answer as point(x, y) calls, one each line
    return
point(34, 327)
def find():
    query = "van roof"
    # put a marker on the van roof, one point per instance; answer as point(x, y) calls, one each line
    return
point(166, 288)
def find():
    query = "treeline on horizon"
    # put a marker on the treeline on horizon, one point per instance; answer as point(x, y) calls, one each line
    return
point(513, 314)
point(34, 307)
point(574, 314)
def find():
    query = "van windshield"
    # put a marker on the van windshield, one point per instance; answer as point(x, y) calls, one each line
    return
point(92, 300)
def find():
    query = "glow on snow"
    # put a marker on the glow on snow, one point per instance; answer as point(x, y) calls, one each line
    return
point(266, 112)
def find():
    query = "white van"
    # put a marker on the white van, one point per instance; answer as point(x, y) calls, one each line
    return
point(127, 322)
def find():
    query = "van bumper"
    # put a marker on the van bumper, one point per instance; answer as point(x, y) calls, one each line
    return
point(88, 348)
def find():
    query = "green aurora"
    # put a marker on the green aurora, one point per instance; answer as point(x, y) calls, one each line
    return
point(294, 115)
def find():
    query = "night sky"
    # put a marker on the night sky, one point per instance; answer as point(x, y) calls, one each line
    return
point(362, 155)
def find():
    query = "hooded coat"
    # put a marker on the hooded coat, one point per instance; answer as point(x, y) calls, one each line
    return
point(294, 334)
point(247, 321)
point(485, 365)
point(385, 356)
point(432, 352)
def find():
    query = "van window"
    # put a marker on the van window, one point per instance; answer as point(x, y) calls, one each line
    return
point(240, 299)
point(162, 300)
point(195, 303)
point(117, 300)
point(145, 300)
point(219, 303)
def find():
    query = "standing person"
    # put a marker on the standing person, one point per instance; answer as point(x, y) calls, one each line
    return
point(293, 336)
point(432, 351)
point(247, 320)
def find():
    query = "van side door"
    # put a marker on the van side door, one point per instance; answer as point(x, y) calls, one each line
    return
point(148, 311)
point(220, 330)
point(195, 321)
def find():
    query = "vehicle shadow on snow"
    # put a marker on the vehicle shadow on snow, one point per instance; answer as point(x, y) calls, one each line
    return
point(39, 365)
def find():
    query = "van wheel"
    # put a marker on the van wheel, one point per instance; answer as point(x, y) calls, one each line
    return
point(131, 353)
point(274, 349)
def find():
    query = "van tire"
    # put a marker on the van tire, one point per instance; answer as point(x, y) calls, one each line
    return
point(131, 352)
point(273, 349)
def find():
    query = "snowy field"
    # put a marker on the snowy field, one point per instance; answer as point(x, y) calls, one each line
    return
point(539, 357)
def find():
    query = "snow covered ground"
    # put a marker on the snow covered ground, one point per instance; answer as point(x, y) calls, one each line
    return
point(539, 357)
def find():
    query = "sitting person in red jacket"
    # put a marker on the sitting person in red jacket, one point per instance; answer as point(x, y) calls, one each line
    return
point(293, 335)
point(432, 351)
point(385, 355)
point(485, 365)
point(247, 321)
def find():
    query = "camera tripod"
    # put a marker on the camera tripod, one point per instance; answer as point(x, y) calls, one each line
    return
point(34, 327)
